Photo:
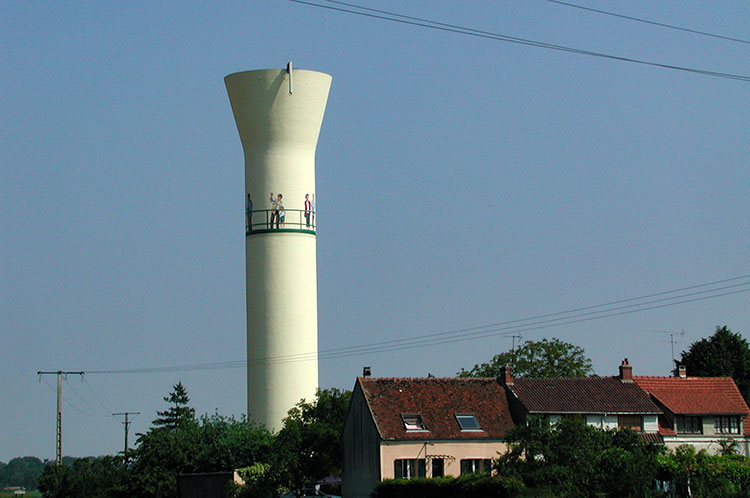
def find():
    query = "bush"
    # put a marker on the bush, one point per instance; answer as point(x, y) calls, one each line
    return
point(724, 476)
point(468, 486)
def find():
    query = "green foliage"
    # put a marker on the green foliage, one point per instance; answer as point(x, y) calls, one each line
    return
point(467, 486)
point(100, 477)
point(545, 358)
point(211, 444)
point(23, 471)
point(258, 482)
point(179, 412)
point(308, 447)
point(722, 476)
point(724, 354)
point(178, 443)
point(728, 446)
point(571, 458)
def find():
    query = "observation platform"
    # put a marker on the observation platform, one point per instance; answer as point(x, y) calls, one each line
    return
point(291, 220)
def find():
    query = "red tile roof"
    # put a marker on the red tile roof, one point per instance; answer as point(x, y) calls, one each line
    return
point(582, 395)
point(695, 395)
point(652, 437)
point(438, 401)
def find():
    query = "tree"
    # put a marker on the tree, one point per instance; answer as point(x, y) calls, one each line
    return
point(179, 412)
point(100, 477)
point(545, 358)
point(570, 458)
point(308, 447)
point(178, 443)
point(724, 354)
point(23, 471)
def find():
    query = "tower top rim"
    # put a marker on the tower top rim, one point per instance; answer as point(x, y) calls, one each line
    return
point(277, 70)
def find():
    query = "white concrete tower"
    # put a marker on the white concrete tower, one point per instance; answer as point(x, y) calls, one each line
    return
point(278, 115)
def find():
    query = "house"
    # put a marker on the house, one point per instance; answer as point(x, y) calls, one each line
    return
point(700, 411)
point(604, 402)
point(421, 427)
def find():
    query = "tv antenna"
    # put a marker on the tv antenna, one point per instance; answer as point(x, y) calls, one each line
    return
point(672, 342)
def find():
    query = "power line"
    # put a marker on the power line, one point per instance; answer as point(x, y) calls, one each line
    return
point(94, 394)
point(638, 19)
point(506, 328)
point(95, 410)
point(452, 28)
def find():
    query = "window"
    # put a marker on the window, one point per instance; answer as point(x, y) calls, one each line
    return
point(689, 425)
point(409, 468)
point(476, 465)
point(468, 422)
point(727, 425)
point(413, 422)
point(438, 467)
point(634, 422)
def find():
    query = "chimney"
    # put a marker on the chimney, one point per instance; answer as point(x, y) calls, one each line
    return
point(366, 371)
point(505, 378)
point(681, 371)
point(626, 371)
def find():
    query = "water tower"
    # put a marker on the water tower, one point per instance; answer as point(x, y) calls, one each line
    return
point(278, 113)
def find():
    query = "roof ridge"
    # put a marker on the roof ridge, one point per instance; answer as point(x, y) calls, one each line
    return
point(433, 379)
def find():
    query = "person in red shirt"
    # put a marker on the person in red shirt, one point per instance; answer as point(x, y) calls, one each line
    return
point(308, 208)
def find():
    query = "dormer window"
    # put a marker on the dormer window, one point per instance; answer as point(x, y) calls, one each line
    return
point(413, 422)
point(468, 422)
point(727, 425)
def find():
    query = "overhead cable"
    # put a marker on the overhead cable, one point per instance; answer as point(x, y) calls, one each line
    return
point(452, 28)
point(506, 328)
point(638, 19)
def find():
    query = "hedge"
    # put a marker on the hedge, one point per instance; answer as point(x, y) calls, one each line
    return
point(468, 486)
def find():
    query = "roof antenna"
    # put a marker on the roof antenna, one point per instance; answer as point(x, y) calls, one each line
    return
point(289, 70)
point(672, 342)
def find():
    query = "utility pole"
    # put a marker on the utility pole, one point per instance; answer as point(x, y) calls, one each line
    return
point(58, 445)
point(126, 423)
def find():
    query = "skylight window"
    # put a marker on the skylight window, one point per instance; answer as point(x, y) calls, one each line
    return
point(413, 422)
point(468, 422)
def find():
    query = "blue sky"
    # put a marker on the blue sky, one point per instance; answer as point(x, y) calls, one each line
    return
point(460, 182)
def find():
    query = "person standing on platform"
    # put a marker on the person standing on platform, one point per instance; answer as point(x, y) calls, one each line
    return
point(308, 208)
point(280, 212)
point(274, 210)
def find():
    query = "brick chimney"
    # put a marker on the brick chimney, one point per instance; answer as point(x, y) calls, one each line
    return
point(366, 371)
point(505, 378)
point(681, 371)
point(626, 371)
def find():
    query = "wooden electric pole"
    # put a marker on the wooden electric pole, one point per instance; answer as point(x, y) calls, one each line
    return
point(127, 425)
point(58, 445)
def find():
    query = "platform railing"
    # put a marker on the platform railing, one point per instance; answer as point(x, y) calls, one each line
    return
point(264, 220)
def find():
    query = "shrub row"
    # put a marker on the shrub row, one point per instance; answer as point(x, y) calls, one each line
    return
point(468, 486)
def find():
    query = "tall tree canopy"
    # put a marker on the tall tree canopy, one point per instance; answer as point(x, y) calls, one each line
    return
point(545, 358)
point(179, 443)
point(179, 411)
point(308, 447)
point(724, 354)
